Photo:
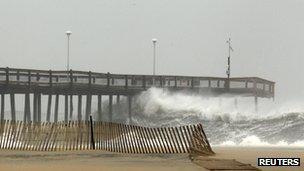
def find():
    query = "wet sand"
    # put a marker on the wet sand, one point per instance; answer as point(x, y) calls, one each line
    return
point(250, 155)
point(93, 161)
point(100, 160)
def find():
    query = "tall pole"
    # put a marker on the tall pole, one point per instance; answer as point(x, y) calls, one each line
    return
point(154, 41)
point(68, 33)
point(229, 52)
point(228, 61)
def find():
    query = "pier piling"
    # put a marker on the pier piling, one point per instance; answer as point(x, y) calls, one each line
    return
point(35, 108)
point(48, 114)
point(110, 108)
point(71, 107)
point(13, 109)
point(2, 107)
point(256, 108)
point(88, 106)
point(130, 109)
point(66, 108)
point(39, 107)
point(56, 108)
point(79, 108)
point(99, 107)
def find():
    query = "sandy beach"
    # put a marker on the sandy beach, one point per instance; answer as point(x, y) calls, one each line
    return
point(100, 160)
point(93, 161)
point(250, 155)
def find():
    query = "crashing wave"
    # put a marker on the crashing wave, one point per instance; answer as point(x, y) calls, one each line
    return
point(223, 123)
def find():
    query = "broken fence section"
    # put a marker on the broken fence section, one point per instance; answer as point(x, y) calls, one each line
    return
point(115, 137)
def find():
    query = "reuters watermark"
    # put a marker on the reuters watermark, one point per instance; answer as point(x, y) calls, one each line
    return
point(279, 162)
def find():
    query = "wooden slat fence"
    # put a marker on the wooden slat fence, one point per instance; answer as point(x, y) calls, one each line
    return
point(114, 137)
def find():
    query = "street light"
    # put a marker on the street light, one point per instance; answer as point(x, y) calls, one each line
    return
point(68, 33)
point(228, 59)
point(154, 41)
point(228, 62)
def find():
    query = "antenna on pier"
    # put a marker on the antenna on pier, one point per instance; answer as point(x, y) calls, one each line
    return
point(229, 51)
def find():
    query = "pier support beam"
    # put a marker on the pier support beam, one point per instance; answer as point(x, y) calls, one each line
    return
point(130, 108)
point(13, 109)
point(2, 106)
point(56, 108)
point(48, 112)
point(110, 108)
point(118, 99)
point(35, 108)
point(71, 107)
point(66, 108)
point(79, 115)
point(255, 97)
point(27, 108)
point(88, 107)
point(24, 112)
point(39, 107)
point(117, 111)
point(256, 108)
point(99, 107)
point(236, 103)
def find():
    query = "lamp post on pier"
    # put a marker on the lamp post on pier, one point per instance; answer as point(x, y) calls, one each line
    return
point(228, 63)
point(68, 33)
point(154, 41)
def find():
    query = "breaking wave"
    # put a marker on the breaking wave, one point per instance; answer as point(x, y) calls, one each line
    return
point(225, 125)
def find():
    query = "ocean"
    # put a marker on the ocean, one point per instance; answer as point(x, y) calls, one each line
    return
point(274, 125)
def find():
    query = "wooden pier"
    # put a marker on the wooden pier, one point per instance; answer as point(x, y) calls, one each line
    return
point(72, 84)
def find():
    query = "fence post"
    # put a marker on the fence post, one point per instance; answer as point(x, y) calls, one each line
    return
point(92, 133)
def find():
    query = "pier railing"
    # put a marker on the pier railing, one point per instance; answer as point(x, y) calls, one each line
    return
point(119, 82)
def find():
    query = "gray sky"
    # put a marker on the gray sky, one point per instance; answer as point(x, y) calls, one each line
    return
point(115, 36)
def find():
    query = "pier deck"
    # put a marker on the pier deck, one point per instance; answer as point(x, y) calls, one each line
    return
point(79, 83)
point(21, 81)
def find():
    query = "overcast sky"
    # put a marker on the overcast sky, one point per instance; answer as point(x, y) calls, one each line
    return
point(115, 36)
